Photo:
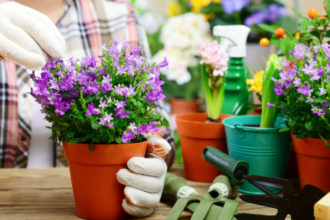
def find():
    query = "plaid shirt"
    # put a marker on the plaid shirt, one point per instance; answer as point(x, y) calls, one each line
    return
point(84, 25)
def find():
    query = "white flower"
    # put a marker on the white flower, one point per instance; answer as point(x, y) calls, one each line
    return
point(186, 31)
point(178, 61)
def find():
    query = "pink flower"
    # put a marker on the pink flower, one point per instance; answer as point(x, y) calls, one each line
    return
point(213, 54)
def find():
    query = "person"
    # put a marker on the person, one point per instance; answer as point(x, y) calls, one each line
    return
point(33, 31)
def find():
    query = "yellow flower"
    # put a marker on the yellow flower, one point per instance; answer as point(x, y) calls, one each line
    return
point(174, 9)
point(256, 82)
point(197, 5)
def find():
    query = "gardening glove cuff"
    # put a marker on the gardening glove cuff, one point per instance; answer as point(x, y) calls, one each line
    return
point(144, 179)
point(27, 36)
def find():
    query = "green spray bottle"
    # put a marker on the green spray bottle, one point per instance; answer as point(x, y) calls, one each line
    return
point(237, 99)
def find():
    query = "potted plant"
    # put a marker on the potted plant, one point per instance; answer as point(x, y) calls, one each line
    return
point(257, 139)
point(199, 130)
point(101, 109)
point(303, 89)
point(182, 77)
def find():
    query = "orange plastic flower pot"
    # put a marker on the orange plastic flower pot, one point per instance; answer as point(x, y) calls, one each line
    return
point(195, 134)
point(313, 162)
point(180, 106)
point(96, 191)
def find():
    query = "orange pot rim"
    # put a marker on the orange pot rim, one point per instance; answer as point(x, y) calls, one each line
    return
point(309, 146)
point(103, 154)
point(183, 118)
point(193, 125)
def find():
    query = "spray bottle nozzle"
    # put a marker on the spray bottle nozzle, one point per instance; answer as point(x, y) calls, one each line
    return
point(233, 38)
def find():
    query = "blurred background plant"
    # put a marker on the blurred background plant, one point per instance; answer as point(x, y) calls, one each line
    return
point(181, 48)
point(248, 12)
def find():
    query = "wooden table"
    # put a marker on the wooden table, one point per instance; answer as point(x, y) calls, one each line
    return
point(34, 194)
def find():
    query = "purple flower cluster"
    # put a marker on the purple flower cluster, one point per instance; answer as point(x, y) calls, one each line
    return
point(151, 127)
point(231, 6)
point(306, 77)
point(270, 14)
point(104, 88)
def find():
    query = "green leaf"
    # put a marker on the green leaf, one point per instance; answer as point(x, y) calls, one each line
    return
point(269, 28)
point(308, 125)
point(328, 8)
point(298, 14)
point(284, 129)
point(95, 125)
point(90, 147)
point(212, 8)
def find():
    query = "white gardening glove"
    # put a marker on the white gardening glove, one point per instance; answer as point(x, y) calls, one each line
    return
point(28, 36)
point(144, 179)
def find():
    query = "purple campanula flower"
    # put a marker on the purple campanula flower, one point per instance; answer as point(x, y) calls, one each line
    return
point(152, 127)
point(106, 120)
point(320, 71)
point(109, 100)
point(256, 17)
point(299, 51)
point(90, 62)
point(296, 82)
point(231, 6)
point(127, 91)
point(318, 110)
point(328, 68)
point(106, 87)
point(127, 136)
point(118, 90)
point(139, 62)
point(163, 64)
point(102, 104)
point(121, 104)
point(143, 129)
point(274, 11)
point(326, 49)
point(278, 90)
point(93, 88)
point(120, 112)
point(270, 105)
point(305, 90)
point(121, 70)
point(132, 127)
point(92, 110)
point(309, 69)
point(135, 51)
point(323, 91)
point(315, 76)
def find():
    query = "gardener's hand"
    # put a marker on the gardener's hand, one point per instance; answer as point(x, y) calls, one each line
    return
point(28, 36)
point(144, 179)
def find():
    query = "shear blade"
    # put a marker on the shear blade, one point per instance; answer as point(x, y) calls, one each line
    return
point(245, 216)
point(262, 200)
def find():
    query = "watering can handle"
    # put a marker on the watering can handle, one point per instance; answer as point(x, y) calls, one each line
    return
point(234, 169)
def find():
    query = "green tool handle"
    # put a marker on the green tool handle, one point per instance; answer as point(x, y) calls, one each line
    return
point(235, 169)
point(172, 185)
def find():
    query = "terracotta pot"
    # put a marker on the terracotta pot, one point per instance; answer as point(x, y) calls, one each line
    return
point(195, 134)
point(96, 191)
point(313, 162)
point(180, 106)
